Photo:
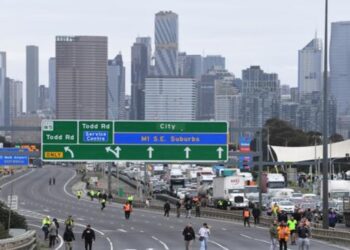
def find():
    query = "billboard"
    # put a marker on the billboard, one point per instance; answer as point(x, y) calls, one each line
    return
point(245, 162)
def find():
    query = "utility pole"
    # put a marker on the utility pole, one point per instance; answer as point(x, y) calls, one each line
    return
point(10, 208)
point(260, 147)
point(109, 179)
point(325, 123)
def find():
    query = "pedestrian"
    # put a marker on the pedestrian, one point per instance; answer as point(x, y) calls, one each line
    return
point(46, 222)
point(89, 236)
point(57, 227)
point(52, 234)
point(256, 214)
point(50, 180)
point(92, 194)
point(68, 237)
point(178, 209)
point(304, 234)
point(147, 202)
point(282, 217)
point(189, 236)
point(292, 224)
point(204, 233)
point(53, 181)
point(166, 209)
point(274, 235)
point(79, 194)
point(198, 209)
point(103, 204)
point(69, 222)
point(246, 217)
point(283, 234)
point(130, 199)
point(332, 218)
point(188, 207)
point(127, 210)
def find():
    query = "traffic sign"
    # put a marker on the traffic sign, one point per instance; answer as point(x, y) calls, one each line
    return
point(153, 141)
point(10, 157)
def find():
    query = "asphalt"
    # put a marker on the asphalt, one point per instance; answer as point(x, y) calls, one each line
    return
point(145, 230)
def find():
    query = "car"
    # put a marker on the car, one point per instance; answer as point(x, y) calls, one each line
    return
point(287, 206)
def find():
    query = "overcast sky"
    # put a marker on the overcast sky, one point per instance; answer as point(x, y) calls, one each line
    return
point(247, 32)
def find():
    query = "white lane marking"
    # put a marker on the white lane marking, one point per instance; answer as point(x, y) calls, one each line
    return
point(161, 242)
point(110, 243)
point(16, 179)
point(219, 245)
point(246, 236)
point(59, 236)
point(122, 230)
point(65, 185)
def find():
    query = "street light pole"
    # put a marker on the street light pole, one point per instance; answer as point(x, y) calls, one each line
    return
point(325, 124)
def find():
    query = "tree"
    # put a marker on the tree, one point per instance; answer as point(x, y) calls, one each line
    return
point(336, 138)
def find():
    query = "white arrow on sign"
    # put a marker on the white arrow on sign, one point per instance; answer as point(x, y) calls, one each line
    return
point(220, 150)
point(116, 151)
point(67, 149)
point(150, 152)
point(187, 150)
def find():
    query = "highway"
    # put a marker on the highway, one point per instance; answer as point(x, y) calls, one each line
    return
point(145, 230)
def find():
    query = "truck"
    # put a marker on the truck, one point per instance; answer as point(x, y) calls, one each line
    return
point(337, 189)
point(228, 192)
point(273, 183)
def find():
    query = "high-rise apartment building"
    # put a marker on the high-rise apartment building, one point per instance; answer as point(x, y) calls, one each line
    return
point(170, 99)
point(340, 65)
point(81, 77)
point(140, 69)
point(52, 84)
point(2, 87)
point(211, 62)
point(166, 43)
point(116, 88)
point(260, 97)
point(32, 78)
point(310, 67)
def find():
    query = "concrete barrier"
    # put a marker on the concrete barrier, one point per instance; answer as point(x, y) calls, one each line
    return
point(335, 236)
point(26, 241)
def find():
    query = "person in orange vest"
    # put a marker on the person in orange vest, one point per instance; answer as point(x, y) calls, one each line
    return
point(283, 235)
point(127, 210)
point(246, 216)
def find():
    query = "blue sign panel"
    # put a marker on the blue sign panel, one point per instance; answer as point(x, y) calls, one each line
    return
point(13, 160)
point(95, 136)
point(171, 138)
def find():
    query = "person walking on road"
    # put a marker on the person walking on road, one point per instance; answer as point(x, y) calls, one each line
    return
point(189, 236)
point(204, 233)
point(178, 209)
point(45, 226)
point(274, 235)
point(50, 180)
point(246, 217)
point(130, 199)
point(303, 236)
point(256, 214)
point(166, 209)
point(283, 235)
point(69, 222)
point(188, 207)
point(79, 194)
point(89, 236)
point(198, 209)
point(127, 210)
point(53, 181)
point(52, 233)
point(103, 204)
point(68, 237)
point(292, 224)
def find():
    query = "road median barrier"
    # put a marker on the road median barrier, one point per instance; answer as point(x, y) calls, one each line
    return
point(26, 241)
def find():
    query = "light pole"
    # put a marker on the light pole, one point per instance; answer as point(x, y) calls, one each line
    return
point(325, 123)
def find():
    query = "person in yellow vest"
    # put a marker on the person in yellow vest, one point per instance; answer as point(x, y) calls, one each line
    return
point(246, 216)
point(283, 235)
point(92, 194)
point(46, 222)
point(130, 199)
point(292, 225)
point(103, 204)
point(79, 194)
point(275, 210)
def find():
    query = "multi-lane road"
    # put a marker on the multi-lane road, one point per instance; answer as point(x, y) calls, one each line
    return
point(145, 230)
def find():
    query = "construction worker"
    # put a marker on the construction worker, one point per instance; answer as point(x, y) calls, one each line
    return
point(79, 193)
point(283, 235)
point(46, 222)
point(103, 204)
point(292, 224)
point(127, 210)
point(69, 222)
point(275, 210)
point(92, 194)
point(130, 199)
point(246, 216)
point(98, 195)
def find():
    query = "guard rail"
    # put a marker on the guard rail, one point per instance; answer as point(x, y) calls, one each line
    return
point(26, 241)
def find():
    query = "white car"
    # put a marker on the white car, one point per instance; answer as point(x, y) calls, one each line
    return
point(286, 206)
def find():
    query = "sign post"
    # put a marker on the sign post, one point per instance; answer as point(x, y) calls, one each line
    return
point(149, 141)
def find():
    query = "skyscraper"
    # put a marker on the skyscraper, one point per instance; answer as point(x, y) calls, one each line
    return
point(44, 97)
point(2, 87)
point(81, 77)
point(32, 78)
point(147, 41)
point(171, 98)
point(190, 65)
point(166, 43)
point(213, 62)
point(140, 66)
point(340, 66)
point(52, 84)
point(116, 88)
point(13, 100)
point(310, 67)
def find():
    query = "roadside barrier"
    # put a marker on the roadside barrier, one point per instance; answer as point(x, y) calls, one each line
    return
point(26, 241)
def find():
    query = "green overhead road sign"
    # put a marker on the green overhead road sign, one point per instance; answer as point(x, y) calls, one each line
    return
point(161, 141)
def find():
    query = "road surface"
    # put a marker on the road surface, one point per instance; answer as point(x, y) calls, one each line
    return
point(145, 230)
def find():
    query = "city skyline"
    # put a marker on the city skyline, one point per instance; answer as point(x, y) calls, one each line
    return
point(241, 41)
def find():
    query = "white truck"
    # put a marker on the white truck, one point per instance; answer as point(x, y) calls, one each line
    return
point(337, 189)
point(228, 191)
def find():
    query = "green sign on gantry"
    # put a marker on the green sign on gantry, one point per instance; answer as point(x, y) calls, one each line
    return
point(149, 141)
